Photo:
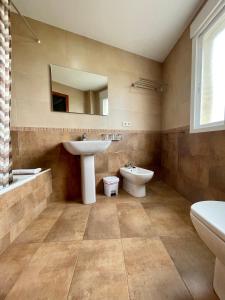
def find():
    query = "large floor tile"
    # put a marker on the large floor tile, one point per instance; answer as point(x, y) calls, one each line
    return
point(195, 263)
point(172, 200)
point(120, 198)
point(162, 189)
point(70, 225)
point(54, 210)
point(48, 274)
point(170, 219)
point(36, 231)
point(39, 228)
point(151, 272)
point(133, 220)
point(103, 222)
point(100, 273)
point(12, 262)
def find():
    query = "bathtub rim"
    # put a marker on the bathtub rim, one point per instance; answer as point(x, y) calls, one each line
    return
point(20, 182)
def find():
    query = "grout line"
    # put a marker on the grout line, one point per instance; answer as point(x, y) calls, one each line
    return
point(173, 262)
point(124, 263)
point(80, 242)
point(118, 219)
point(42, 240)
point(25, 266)
point(67, 241)
point(57, 219)
point(73, 275)
point(79, 252)
point(86, 225)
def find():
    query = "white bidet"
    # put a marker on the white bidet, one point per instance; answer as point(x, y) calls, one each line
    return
point(135, 179)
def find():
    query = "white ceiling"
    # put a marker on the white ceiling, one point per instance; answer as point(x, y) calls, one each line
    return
point(146, 27)
point(77, 79)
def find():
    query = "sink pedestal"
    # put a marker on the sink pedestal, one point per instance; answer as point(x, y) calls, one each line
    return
point(88, 179)
point(87, 150)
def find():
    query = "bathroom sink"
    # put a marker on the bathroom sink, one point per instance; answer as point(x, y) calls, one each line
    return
point(86, 147)
point(87, 150)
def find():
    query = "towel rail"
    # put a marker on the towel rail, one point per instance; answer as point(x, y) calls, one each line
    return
point(148, 84)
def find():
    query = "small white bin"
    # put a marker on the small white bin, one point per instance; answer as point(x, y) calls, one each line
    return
point(111, 185)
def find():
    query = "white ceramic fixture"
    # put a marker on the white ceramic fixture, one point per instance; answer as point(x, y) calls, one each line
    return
point(208, 218)
point(87, 150)
point(134, 180)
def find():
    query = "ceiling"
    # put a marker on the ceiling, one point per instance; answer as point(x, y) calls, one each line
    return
point(146, 27)
point(77, 79)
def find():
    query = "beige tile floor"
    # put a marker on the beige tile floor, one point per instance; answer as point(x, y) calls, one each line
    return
point(119, 248)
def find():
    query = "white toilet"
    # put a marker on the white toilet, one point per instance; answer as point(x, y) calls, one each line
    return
point(208, 218)
point(134, 180)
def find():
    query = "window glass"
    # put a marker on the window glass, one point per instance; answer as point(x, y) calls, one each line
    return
point(212, 104)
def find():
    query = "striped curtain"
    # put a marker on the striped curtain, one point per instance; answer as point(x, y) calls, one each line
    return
point(5, 95)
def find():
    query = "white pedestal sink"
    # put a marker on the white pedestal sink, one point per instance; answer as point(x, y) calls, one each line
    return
point(87, 150)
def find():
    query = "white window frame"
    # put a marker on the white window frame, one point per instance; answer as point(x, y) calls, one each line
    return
point(207, 16)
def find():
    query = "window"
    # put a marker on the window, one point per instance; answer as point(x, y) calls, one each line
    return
point(104, 102)
point(208, 69)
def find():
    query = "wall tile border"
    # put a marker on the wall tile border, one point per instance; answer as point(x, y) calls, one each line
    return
point(184, 129)
point(46, 129)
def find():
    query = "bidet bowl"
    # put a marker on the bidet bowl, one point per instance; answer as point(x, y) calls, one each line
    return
point(136, 175)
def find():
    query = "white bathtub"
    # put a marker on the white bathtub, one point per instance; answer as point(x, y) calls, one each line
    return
point(17, 181)
point(28, 193)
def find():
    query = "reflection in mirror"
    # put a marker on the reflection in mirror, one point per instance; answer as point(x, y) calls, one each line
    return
point(75, 91)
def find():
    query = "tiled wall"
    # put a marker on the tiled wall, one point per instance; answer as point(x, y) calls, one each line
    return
point(42, 147)
point(21, 205)
point(194, 164)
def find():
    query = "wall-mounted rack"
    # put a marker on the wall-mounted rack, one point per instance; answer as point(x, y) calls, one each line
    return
point(114, 137)
point(148, 84)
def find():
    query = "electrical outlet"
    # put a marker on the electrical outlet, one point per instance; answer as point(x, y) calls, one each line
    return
point(126, 124)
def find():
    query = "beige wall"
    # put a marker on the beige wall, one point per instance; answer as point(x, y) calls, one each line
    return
point(31, 81)
point(76, 97)
point(193, 164)
point(177, 74)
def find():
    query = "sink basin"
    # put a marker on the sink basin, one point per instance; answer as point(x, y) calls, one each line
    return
point(87, 149)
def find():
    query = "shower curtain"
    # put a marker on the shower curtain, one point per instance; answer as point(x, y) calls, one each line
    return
point(5, 94)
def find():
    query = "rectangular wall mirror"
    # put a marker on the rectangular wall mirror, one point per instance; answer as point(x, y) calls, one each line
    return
point(75, 91)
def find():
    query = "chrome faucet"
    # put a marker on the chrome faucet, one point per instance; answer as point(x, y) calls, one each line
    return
point(84, 137)
point(130, 164)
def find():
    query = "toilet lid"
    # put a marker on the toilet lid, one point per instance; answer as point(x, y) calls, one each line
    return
point(212, 214)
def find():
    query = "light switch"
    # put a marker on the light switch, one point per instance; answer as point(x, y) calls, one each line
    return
point(126, 124)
